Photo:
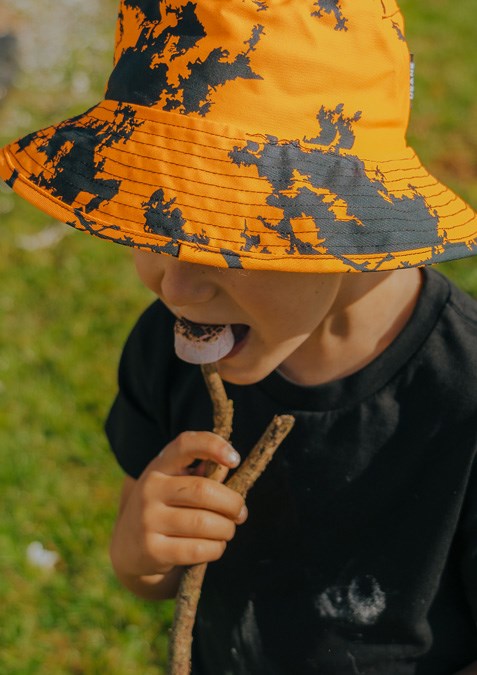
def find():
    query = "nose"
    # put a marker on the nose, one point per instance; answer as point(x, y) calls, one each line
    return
point(186, 283)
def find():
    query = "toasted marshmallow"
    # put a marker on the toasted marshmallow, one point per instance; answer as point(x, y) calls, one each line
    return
point(202, 343)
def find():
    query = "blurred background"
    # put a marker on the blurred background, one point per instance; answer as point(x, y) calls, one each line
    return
point(66, 306)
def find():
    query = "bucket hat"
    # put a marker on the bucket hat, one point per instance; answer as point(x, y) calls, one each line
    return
point(255, 134)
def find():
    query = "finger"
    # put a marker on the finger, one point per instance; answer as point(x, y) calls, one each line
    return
point(202, 493)
point(193, 551)
point(195, 523)
point(219, 472)
point(176, 456)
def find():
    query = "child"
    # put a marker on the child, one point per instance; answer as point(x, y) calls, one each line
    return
point(253, 154)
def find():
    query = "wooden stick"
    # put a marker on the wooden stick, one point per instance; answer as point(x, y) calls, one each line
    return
point(223, 410)
point(255, 464)
point(223, 407)
point(188, 596)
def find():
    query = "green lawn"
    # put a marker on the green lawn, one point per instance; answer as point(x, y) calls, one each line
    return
point(65, 312)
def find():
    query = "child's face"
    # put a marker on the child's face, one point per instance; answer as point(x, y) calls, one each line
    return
point(283, 310)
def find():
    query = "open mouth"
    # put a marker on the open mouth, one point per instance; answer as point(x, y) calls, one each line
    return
point(240, 332)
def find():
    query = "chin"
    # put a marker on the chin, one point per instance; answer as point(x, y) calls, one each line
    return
point(234, 374)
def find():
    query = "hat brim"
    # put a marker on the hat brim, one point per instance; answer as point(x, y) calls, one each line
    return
point(211, 194)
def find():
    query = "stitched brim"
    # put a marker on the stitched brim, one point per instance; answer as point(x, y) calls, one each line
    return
point(212, 194)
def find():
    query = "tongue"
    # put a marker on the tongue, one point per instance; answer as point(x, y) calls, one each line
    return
point(202, 343)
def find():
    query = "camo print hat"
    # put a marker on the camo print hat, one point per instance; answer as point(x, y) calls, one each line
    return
point(257, 134)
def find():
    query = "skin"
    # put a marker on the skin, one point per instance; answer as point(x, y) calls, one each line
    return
point(173, 517)
point(313, 328)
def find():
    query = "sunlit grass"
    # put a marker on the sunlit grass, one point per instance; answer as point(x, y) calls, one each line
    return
point(64, 320)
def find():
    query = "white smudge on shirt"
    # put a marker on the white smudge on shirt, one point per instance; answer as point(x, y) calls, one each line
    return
point(246, 645)
point(362, 602)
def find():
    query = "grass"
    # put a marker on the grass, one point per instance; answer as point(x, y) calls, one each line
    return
point(63, 324)
point(66, 311)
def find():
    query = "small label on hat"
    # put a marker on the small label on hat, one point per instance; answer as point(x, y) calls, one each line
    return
point(412, 74)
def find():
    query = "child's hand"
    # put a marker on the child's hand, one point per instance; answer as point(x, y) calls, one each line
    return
point(173, 516)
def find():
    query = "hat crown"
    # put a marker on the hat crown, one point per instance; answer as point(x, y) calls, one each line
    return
point(332, 72)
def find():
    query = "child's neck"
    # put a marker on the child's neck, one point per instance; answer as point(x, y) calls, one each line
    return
point(369, 313)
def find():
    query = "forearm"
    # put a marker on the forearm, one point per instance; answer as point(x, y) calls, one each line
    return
point(157, 587)
point(470, 670)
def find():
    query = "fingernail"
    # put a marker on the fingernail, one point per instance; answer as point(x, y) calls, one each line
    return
point(234, 458)
point(242, 516)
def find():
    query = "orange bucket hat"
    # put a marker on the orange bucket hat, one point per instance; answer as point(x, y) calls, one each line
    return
point(251, 134)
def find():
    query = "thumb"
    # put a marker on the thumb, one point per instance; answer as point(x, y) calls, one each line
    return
point(177, 456)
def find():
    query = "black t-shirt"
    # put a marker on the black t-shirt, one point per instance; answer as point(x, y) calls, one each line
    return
point(360, 551)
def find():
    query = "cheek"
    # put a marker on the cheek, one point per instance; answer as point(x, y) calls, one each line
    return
point(298, 311)
point(148, 270)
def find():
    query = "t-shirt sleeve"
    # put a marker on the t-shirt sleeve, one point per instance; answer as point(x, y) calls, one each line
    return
point(136, 426)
